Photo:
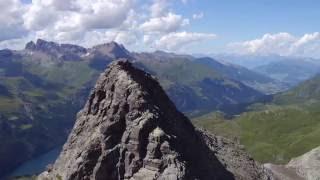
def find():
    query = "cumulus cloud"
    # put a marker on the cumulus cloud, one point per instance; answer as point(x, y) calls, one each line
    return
point(105, 14)
point(17, 43)
point(177, 40)
point(133, 23)
point(147, 39)
point(169, 23)
point(284, 44)
point(159, 8)
point(68, 19)
point(198, 16)
point(98, 37)
point(268, 44)
point(164, 29)
point(10, 20)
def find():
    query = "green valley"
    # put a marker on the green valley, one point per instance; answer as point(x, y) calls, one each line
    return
point(287, 127)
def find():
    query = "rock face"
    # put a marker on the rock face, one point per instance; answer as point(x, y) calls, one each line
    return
point(129, 129)
point(305, 167)
point(61, 51)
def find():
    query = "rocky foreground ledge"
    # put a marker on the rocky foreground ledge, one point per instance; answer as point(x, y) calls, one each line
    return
point(129, 129)
point(305, 167)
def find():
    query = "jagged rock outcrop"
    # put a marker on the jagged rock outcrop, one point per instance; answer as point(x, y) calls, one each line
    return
point(60, 51)
point(305, 167)
point(129, 129)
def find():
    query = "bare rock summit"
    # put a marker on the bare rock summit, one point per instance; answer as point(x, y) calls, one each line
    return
point(129, 129)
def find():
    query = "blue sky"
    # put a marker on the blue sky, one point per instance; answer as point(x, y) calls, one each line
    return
point(241, 20)
point(26, 1)
point(245, 19)
point(284, 27)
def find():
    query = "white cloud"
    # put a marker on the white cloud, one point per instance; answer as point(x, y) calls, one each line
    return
point(134, 23)
point(10, 19)
point(147, 39)
point(159, 8)
point(58, 19)
point(99, 37)
point(198, 16)
point(168, 23)
point(39, 15)
point(177, 40)
point(307, 38)
point(269, 43)
point(284, 44)
point(18, 43)
point(105, 14)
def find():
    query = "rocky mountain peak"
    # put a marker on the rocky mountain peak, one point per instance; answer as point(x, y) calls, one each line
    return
point(30, 45)
point(112, 50)
point(62, 51)
point(41, 45)
point(129, 129)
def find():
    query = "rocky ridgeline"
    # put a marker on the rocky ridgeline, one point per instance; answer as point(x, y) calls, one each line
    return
point(70, 52)
point(55, 49)
point(129, 129)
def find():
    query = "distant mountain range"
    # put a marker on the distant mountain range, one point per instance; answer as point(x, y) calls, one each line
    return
point(287, 70)
point(43, 86)
point(262, 83)
point(291, 72)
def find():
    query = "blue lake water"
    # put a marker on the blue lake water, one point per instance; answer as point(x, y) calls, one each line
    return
point(36, 165)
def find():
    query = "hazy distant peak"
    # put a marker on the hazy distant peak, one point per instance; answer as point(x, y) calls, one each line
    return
point(5, 53)
point(160, 55)
point(30, 45)
point(112, 49)
point(109, 45)
point(163, 52)
point(41, 45)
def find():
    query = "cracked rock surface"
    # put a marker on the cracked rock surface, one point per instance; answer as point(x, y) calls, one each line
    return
point(129, 129)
